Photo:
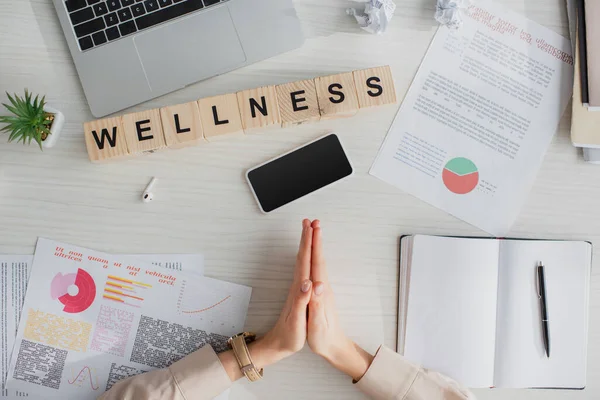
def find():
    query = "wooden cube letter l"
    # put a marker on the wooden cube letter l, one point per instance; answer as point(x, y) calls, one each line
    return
point(220, 116)
point(181, 125)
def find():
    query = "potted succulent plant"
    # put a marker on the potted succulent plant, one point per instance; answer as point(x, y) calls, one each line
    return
point(32, 119)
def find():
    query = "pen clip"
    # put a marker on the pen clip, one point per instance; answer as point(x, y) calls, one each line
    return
point(537, 282)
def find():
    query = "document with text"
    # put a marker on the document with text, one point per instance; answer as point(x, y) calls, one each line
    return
point(90, 319)
point(481, 112)
point(14, 273)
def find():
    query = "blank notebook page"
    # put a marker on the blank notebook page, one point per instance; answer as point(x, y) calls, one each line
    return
point(520, 357)
point(451, 321)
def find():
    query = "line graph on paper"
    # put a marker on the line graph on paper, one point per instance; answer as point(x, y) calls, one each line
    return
point(201, 310)
point(212, 305)
point(85, 376)
point(195, 301)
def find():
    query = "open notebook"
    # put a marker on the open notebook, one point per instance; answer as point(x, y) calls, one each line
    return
point(469, 309)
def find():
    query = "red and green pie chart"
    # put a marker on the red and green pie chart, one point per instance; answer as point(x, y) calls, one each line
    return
point(460, 175)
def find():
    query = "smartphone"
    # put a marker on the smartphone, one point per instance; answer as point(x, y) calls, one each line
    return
point(299, 172)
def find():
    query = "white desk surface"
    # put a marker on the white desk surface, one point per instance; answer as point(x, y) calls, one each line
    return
point(202, 203)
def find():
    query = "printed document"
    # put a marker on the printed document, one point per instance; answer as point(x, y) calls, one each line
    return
point(473, 129)
point(90, 319)
point(14, 273)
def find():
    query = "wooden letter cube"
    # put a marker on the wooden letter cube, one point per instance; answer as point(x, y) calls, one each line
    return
point(143, 132)
point(181, 125)
point(298, 102)
point(337, 96)
point(220, 116)
point(375, 86)
point(105, 139)
point(259, 109)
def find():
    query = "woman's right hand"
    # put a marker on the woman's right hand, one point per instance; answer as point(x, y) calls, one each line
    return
point(325, 335)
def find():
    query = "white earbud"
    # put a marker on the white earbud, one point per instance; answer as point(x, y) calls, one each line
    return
point(147, 196)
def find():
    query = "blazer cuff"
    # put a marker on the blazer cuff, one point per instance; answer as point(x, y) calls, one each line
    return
point(200, 372)
point(389, 376)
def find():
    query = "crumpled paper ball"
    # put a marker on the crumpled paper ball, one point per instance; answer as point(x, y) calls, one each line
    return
point(376, 15)
point(450, 12)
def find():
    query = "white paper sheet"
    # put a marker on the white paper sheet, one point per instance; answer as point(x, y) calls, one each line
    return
point(14, 272)
point(479, 116)
point(447, 330)
point(520, 355)
point(80, 353)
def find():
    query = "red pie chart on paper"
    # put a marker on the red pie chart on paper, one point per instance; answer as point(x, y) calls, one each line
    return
point(460, 175)
point(76, 291)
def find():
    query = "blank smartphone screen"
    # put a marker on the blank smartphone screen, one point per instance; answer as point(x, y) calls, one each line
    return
point(299, 173)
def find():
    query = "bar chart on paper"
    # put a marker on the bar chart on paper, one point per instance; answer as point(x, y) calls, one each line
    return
point(460, 175)
point(124, 291)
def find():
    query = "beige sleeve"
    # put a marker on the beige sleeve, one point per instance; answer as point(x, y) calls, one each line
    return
point(198, 376)
point(390, 376)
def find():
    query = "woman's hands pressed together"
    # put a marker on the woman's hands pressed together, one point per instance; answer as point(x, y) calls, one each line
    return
point(309, 314)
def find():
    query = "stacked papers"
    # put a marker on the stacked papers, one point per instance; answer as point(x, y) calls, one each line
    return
point(76, 321)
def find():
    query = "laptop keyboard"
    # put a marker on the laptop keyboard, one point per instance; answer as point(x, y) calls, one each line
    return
point(96, 22)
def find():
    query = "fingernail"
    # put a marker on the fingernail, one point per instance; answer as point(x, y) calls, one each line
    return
point(306, 286)
point(319, 287)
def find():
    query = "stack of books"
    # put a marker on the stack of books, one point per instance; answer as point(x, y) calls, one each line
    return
point(585, 35)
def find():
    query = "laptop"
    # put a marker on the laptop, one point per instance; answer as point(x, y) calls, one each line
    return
point(130, 51)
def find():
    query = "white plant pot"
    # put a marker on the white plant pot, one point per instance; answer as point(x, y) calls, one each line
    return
point(56, 129)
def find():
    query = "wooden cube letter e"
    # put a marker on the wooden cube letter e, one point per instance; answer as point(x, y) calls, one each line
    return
point(375, 86)
point(298, 102)
point(337, 96)
point(220, 116)
point(105, 139)
point(181, 125)
point(259, 109)
point(143, 132)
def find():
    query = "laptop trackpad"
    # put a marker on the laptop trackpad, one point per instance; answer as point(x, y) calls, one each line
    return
point(190, 49)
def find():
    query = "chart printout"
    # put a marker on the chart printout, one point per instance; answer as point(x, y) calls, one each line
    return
point(481, 112)
point(90, 319)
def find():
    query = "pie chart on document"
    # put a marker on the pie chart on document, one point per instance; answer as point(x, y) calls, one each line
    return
point(460, 175)
point(76, 291)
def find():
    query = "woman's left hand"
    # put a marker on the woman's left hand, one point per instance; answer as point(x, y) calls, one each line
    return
point(288, 336)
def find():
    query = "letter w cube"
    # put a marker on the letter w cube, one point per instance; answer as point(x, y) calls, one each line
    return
point(105, 139)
